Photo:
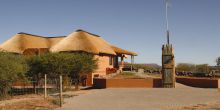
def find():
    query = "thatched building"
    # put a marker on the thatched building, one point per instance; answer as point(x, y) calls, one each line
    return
point(107, 54)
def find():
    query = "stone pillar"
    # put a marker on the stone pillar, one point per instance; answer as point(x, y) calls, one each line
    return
point(168, 66)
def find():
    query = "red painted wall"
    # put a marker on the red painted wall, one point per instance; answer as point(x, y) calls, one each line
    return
point(200, 82)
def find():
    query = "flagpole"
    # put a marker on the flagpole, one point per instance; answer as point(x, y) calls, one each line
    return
point(168, 33)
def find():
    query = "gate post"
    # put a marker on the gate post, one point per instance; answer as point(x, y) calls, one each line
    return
point(168, 66)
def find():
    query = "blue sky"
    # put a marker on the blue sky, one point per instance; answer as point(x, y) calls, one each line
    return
point(136, 25)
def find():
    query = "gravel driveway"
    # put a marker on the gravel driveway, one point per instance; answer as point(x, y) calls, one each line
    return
point(141, 98)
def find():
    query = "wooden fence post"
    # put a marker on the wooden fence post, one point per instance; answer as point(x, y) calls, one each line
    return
point(61, 94)
point(45, 86)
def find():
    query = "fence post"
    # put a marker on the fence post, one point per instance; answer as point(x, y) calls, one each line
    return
point(45, 86)
point(61, 94)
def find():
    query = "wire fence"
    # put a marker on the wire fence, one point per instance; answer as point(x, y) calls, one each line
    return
point(52, 86)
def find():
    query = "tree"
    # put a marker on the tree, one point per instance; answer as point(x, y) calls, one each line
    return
point(67, 64)
point(35, 71)
point(218, 61)
point(142, 66)
point(84, 64)
point(202, 68)
point(12, 68)
point(186, 67)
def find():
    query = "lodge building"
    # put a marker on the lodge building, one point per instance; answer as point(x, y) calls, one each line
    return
point(80, 40)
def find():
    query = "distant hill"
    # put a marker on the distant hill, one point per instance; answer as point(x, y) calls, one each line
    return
point(154, 65)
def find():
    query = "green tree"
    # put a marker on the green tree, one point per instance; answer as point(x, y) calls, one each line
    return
point(35, 71)
point(12, 68)
point(202, 68)
point(67, 64)
point(142, 66)
point(84, 64)
point(187, 67)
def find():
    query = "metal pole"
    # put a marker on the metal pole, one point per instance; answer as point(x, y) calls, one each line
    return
point(167, 23)
point(61, 94)
point(45, 86)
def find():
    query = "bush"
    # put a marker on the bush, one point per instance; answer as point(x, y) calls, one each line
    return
point(141, 66)
point(68, 64)
point(12, 68)
point(185, 67)
point(199, 74)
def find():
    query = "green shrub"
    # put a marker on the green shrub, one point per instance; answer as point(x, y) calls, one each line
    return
point(142, 66)
point(67, 64)
point(199, 74)
point(12, 68)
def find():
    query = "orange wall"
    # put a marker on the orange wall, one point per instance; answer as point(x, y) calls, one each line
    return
point(103, 63)
point(200, 82)
point(127, 83)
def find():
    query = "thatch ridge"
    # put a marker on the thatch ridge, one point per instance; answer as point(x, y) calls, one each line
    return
point(81, 30)
point(39, 35)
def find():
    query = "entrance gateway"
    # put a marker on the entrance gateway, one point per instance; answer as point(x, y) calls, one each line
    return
point(168, 62)
point(168, 66)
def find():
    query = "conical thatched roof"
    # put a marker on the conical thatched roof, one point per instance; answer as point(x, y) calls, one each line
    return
point(83, 41)
point(76, 41)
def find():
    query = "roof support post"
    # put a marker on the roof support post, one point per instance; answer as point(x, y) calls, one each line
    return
point(132, 62)
point(121, 66)
point(122, 60)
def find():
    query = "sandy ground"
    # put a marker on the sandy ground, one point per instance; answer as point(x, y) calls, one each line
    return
point(180, 98)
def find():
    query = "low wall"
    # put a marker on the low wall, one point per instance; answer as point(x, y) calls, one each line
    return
point(126, 83)
point(200, 82)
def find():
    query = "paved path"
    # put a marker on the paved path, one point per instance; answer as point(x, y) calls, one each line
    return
point(141, 98)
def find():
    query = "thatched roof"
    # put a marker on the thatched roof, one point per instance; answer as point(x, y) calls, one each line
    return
point(122, 51)
point(23, 41)
point(83, 41)
point(76, 41)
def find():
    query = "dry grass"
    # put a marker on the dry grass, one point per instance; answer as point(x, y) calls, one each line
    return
point(28, 102)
